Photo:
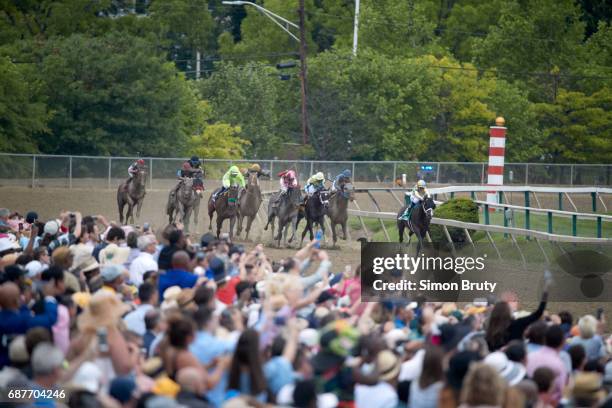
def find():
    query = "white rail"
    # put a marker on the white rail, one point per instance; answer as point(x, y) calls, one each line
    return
point(489, 228)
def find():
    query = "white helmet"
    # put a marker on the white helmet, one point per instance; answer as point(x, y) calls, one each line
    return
point(421, 184)
point(319, 176)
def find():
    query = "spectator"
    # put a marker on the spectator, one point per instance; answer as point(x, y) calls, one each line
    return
point(587, 390)
point(578, 357)
point(144, 262)
point(54, 279)
point(135, 320)
point(192, 389)
point(544, 378)
point(482, 387)
point(153, 328)
point(246, 375)
point(112, 277)
point(175, 352)
point(16, 319)
point(502, 328)
point(425, 392)
point(207, 348)
point(179, 275)
point(384, 393)
point(548, 356)
point(114, 236)
point(278, 370)
point(589, 339)
point(176, 242)
point(47, 363)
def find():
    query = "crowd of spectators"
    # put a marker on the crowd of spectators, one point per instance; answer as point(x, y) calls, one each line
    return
point(94, 314)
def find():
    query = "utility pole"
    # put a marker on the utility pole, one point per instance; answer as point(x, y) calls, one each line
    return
point(356, 27)
point(303, 72)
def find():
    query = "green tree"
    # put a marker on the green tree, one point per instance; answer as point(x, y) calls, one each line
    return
point(215, 139)
point(114, 95)
point(535, 36)
point(22, 109)
point(247, 96)
point(188, 27)
point(399, 27)
point(578, 127)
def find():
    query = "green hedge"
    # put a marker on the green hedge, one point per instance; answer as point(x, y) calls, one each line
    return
point(460, 209)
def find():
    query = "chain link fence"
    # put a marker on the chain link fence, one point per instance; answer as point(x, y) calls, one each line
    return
point(107, 172)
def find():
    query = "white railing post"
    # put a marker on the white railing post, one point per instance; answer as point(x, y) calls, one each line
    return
point(109, 172)
point(571, 174)
point(394, 173)
point(527, 174)
point(438, 173)
point(151, 173)
point(33, 170)
point(70, 172)
point(353, 172)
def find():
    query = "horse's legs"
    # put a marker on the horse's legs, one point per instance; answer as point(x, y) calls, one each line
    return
point(219, 225)
point(231, 227)
point(248, 226)
point(139, 207)
point(120, 204)
point(211, 211)
point(294, 224)
point(239, 226)
point(333, 230)
point(196, 212)
point(400, 231)
point(344, 234)
point(306, 228)
point(187, 218)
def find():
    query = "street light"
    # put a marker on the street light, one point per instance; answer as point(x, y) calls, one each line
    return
point(284, 24)
point(272, 16)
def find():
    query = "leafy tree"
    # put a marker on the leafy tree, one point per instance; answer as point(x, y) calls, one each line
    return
point(246, 96)
point(467, 21)
point(540, 36)
point(215, 140)
point(22, 109)
point(578, 128)
point(114, 95)
point(188, 27)
point(399, 27)
point(262, 39)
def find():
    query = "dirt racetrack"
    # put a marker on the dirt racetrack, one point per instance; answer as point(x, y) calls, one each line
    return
point(48, 202)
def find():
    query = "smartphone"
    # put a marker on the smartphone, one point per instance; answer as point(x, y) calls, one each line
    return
point(102, 340)
point(479, 302)
point(21, 226)
point(599, 313)
point(146, 227)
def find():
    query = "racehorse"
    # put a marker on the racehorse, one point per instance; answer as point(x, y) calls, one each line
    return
point(186, 201)
point(249, 203)
point(226, 206)
point(132, 192)
point(314, 212)
point(338, 208)
point(286, 210)
point(419, 221)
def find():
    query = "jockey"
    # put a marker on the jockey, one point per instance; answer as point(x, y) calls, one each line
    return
point(345, 177)
point(416, 196)
point(135, 168)
point(233, 177)
point(191, 168)
point(288, 179)
point(315, 183)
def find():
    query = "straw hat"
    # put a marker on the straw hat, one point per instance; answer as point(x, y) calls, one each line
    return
point(170, 297)
point(104, 309)
point(114, 254)
point(83, 259)
point(388, 365)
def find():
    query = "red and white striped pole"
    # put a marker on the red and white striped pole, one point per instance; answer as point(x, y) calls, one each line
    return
point(497, 148)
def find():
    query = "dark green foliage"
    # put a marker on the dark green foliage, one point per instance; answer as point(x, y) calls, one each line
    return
point(459, 209)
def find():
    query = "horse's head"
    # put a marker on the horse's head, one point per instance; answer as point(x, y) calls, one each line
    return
point(186, 187)
point(429, 205)
point(348, 191)
point(232, 195)
point(324, 198)
point(253, 180)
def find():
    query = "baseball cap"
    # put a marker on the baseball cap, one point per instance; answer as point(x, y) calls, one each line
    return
point(51, 227)
point(30, 217)
point(111, 272)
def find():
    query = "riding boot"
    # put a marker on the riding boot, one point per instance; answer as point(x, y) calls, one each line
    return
point(406, 215)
